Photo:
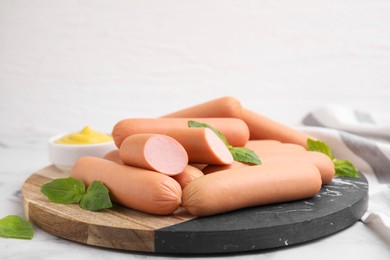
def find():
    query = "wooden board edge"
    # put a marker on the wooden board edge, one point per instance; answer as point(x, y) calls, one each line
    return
point(56, 220)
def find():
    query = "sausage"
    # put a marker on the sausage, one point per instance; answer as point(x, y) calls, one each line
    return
point(270, 152)
point(189, 174)
point(284, 152)
point(235, 130)
point(220, 107)
point(260, 146)
point(260, 127)
point(264, 142)
point(202, 145)
point(250, 186)
point(199, 166)
point(155, 152)
point(323, 163)
point(113, 156)
point(136, 188)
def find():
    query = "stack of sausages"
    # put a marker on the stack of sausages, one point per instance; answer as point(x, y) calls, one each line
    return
point(162, 163)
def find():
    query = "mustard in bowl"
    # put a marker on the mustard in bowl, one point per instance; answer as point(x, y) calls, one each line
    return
point(66, 149)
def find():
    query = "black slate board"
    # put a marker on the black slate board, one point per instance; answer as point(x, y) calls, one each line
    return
point(337, 206)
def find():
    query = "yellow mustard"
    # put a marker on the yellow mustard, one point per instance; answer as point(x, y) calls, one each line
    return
point(85, 136)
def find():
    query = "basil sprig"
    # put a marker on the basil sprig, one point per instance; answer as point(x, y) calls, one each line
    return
point(70, 191)
point(342, 167)
point(240, 154)
point(14, 226)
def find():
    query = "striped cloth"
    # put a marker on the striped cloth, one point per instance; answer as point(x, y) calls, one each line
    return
point(364, 140)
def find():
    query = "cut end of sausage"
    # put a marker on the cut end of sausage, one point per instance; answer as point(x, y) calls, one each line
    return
point(165, 155)
point(218, 147)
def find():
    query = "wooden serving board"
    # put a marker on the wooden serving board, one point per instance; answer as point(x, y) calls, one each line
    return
point(338, 205)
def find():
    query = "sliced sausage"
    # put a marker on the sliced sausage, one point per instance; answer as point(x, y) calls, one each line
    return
point(202, 145)
point(155, 152)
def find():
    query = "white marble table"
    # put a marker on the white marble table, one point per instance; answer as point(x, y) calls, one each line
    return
point(22, 155)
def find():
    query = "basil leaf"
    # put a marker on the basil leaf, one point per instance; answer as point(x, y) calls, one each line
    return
point(65, 191)
point(96, 197)
point(14, 226)
point(345, 168)
point(242, 154)
point(315, 145)
point(195, 124)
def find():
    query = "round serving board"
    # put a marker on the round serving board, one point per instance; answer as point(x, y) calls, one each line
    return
point(337, 206)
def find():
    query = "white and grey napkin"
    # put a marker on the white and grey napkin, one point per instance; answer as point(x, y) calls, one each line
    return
point(363, 139)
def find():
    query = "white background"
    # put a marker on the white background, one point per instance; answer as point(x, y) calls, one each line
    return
point(68, 63)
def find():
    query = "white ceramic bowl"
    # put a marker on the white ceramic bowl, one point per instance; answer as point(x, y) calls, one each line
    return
point(64, 156)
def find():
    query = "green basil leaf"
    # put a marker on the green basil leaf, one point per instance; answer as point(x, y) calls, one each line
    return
point(65, 191)
point(195, 124)
point(345, 168)
point(242, 154)
point(315, 145)
point(14, 226)
point(96, 198)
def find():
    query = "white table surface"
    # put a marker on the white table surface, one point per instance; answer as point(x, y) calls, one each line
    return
point(23, 155)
